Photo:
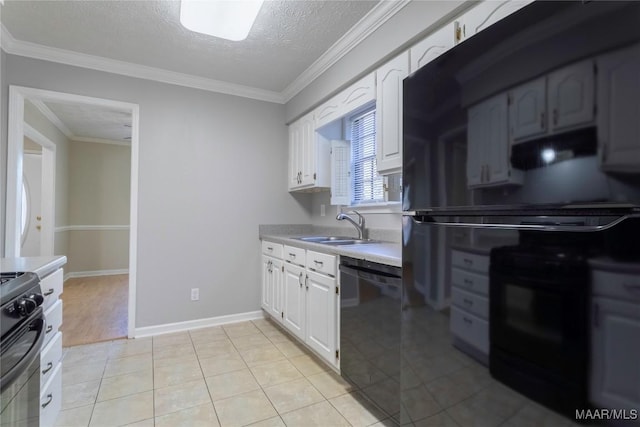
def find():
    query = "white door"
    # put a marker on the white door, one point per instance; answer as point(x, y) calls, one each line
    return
point(267, 283)
point(571, 96)
point(527, 109)
point(277, 275)
point(32, 202)
point(294, 299)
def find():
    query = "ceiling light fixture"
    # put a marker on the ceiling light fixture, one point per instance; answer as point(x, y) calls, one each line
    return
point(227, 19)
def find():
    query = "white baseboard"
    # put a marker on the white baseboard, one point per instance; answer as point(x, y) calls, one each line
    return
point(168, 328)
point(75, 274)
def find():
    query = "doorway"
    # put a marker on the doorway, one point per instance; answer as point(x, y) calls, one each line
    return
point(16, 161)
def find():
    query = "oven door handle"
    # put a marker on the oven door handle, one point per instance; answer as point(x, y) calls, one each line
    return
point(378, 277)
point(36, 322)
point(527, 227)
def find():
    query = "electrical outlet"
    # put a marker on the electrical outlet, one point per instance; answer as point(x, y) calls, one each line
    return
point(195, 294)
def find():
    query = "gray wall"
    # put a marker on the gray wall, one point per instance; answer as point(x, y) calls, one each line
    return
point(4, 100)
point(212, 167)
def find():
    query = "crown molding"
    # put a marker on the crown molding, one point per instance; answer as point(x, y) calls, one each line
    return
point(100, 141)
point(51, 116)
point(62, 56)
point(376, 17)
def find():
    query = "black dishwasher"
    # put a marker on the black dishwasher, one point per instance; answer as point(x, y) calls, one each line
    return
point(370, 311)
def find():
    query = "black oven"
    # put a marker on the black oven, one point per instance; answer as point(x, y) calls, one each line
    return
point(23, 329)
point(538, 316)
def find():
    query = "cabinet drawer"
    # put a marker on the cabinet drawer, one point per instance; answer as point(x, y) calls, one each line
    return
point(474, 304)
point(49, 359)
point(322, 263)
point(51, 398)
point(469, 261)
point(294, 255)
point(624, 286)
point(469, 281)
point(54, 320)
point(51, 287)
point(470, 329)
point(272, 249)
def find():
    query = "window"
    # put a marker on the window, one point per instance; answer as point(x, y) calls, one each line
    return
point(367, 185)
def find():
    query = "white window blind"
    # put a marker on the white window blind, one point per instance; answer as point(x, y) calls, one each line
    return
point(340, 172)
point(367, 184)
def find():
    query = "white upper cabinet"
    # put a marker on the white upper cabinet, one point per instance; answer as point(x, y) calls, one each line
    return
point(559, 101)
point(433, 46)
point(619, 122)
point(309, 160)
point(389, 114)
point(485, 14)
point(488, 145)
point(571, 96)
point(355, 96)
point(527, 109)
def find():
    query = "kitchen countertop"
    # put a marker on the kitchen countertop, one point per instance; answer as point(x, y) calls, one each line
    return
point(42, 266)
point(388, 253)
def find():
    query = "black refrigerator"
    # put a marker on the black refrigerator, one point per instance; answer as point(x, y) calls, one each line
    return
point(521, 223)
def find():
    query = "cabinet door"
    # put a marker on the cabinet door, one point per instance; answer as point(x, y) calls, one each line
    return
point(619, 112)
point(294, 154)
point(294, 299)
point(433, 46)
point(277, 289)
point(475, 156)
point(487, 13)
point(571, 96)
point(487, 142)
point(321, 315)
point(527, 110)
point(389, 114)
point(615, 352)
point(308, 150)
point(267, 284)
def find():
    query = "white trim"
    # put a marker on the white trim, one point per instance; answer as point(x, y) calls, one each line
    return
point(76, 274)
point(51, 116)
point(64, 228)
point(62, 56)
point(376, 17)
point(16, 132)
point(100, 141)
point(168, 328)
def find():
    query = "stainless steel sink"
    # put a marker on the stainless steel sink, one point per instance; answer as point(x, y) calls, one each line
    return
point(336, 240)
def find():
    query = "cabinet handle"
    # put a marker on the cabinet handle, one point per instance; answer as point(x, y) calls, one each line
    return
point(468, 302)
point(292, 255)
point(300, 279)
point(270, 249)
point(468, 282)
point(49, 399)
point(632, 288)
point(306, 281)
point(468, 261)
point(542, 120)
point(49, 292)
point(467, 320)
point(320, 263)
point(48, 368)
point(49, 329)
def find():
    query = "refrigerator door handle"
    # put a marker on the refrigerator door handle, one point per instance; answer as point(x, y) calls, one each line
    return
point(528, 227)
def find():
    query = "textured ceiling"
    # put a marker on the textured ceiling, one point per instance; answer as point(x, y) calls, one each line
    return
point(287, 37)
point(93, 121)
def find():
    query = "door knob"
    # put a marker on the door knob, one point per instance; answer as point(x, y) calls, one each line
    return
point(38, 227)
point(39, 218)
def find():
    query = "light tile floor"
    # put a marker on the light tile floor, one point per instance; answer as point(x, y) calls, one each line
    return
point(248, 373)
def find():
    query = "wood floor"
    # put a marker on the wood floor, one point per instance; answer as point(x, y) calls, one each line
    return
point(94, 309)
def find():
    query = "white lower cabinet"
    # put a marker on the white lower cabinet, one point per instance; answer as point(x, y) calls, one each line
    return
point(615, 338)
point(51, 355)
point(302, 295)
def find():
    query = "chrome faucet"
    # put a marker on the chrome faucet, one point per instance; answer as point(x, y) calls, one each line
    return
point(362, 232)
